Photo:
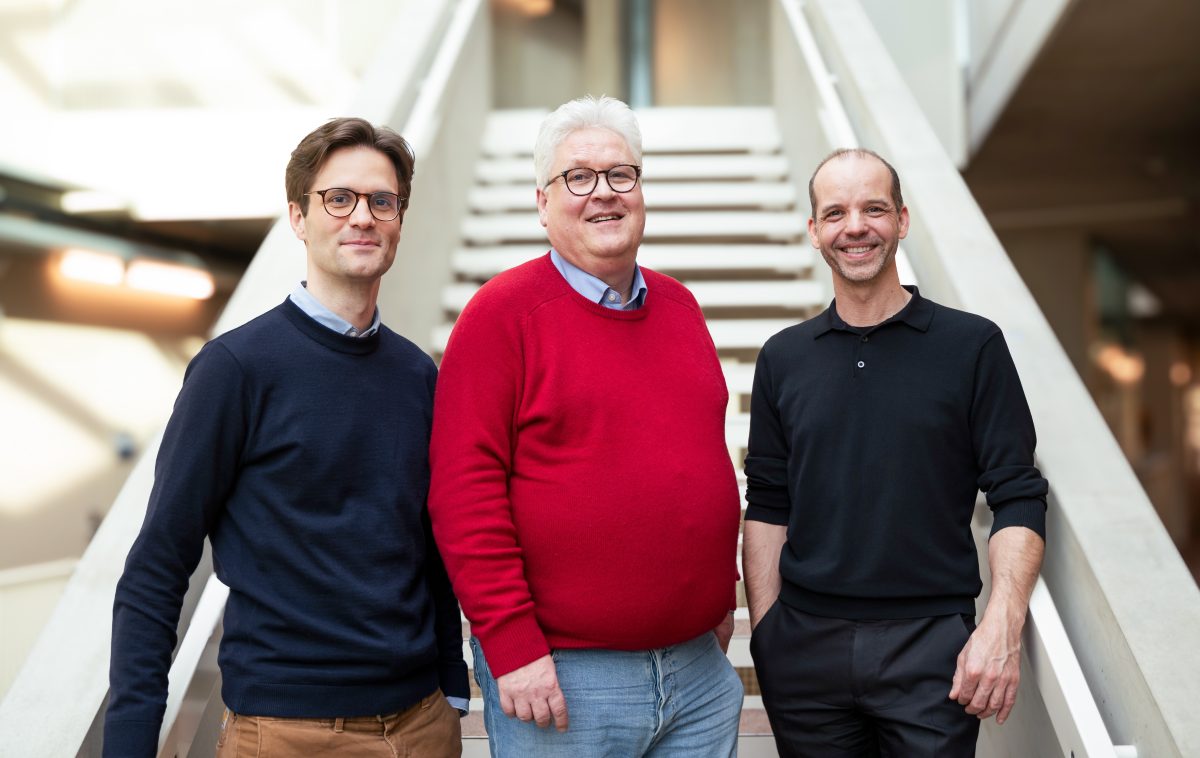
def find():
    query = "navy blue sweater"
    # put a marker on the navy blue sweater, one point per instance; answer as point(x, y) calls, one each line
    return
point(303, 456)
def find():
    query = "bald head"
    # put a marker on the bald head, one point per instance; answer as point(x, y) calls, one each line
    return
point(854, 152)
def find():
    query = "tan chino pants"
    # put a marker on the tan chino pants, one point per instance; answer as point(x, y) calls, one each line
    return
point(429, 728)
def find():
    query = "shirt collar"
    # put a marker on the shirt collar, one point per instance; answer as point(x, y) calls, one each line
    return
point(594, 288)
point(317, 311)
point(917, 313)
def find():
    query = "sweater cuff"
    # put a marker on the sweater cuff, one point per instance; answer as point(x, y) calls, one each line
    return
point(131, 739)
point(513, 644)
point(766, 515)
point(1027, 513)
point(452, 678)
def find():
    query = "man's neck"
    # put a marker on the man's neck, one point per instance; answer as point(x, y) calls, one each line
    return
point(355, 304)
point(869, 303)
point(617, 273)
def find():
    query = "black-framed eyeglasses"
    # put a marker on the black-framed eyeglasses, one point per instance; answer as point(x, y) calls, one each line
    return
point(340, 202)
point(582, 181)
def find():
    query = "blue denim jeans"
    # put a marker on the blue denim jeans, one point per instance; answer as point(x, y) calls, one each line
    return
point(681, 701)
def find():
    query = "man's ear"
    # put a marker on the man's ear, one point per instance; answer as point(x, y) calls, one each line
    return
point(541, 203)
point(296, 217)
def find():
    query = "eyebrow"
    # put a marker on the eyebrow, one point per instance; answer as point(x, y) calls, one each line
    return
point(834, 206)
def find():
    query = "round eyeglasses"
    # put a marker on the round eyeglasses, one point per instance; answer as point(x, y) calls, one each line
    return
point(340, 202)
point(583, 181)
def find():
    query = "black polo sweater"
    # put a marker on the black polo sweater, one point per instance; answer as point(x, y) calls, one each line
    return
point(871, 444)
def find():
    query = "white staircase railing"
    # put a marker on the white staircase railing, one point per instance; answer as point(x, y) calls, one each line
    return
point(54, 706)
point(1104, 662)
point(1122, 593)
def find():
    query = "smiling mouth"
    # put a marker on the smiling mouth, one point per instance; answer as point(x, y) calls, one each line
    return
point(605, 217)
point(857, 249)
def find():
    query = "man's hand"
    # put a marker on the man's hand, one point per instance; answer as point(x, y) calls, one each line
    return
point(989, 670)
point(531, 693)
point(989, 666)
point(724, 632)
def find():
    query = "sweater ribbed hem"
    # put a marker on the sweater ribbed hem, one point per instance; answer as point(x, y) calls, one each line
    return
point(255, 698)
point(864, 608)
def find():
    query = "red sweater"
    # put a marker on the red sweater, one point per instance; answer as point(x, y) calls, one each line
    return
point(582, 494)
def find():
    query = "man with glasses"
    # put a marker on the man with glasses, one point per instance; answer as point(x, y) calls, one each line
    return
point(299, 447)
point(582, 493)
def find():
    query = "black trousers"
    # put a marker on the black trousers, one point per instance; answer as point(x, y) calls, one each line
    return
point(840, 687)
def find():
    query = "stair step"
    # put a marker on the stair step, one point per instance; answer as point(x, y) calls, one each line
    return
point(664, 130)
point(771, 225)
point(739, 377)
point(485, 262)
point(490, 198)
point(745, 333)
point(795, 293)
point(737, 431)
point(655, 168)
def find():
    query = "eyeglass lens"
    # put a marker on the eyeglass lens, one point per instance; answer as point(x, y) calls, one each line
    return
point(384, 206)
point(581, 181)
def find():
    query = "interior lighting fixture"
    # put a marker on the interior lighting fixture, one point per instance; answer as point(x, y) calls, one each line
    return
point(90, 266)
point(91, 201)
point(168, 278)
point(1123, 366)
point(1180, 373)
point(530, 8)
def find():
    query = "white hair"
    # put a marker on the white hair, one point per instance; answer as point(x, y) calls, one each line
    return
point(584, 113)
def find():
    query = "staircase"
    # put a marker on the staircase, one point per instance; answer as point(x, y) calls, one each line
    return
point(722, 216)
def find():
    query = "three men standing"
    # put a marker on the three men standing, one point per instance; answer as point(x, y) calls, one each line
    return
point(873, 427)
point(582, 493)
point(299, 447)
point(583, 496)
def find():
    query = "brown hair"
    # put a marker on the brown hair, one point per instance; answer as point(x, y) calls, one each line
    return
point(858, 152)
point(313, 150)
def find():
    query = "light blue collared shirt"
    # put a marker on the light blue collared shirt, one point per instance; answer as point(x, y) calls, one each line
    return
point(594, 288)
point(317, 311)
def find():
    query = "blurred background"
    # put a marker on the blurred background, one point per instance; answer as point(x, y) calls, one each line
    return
point(143, 144)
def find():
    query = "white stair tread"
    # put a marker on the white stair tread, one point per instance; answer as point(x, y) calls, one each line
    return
point(677, 130)
point(795, 293)
point(737, 429)
point(500, 227)
point(489, 261)
point(739, 377)
point(742, 333)
point(655, 167)
point(727, 334)
point(523, 197)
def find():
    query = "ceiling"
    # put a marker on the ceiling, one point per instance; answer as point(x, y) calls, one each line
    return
point(1103, 135)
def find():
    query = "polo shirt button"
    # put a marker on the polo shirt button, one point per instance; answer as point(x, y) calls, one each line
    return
point(861, 364)
point(866, 338)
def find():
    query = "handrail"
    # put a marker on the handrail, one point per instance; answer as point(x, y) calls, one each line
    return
point(1071, 707)
point(1103, 530)
point(52, 705)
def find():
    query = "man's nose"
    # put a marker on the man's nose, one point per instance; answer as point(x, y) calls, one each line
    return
point(361, 215)
point(603, 188)
point(856, 222)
